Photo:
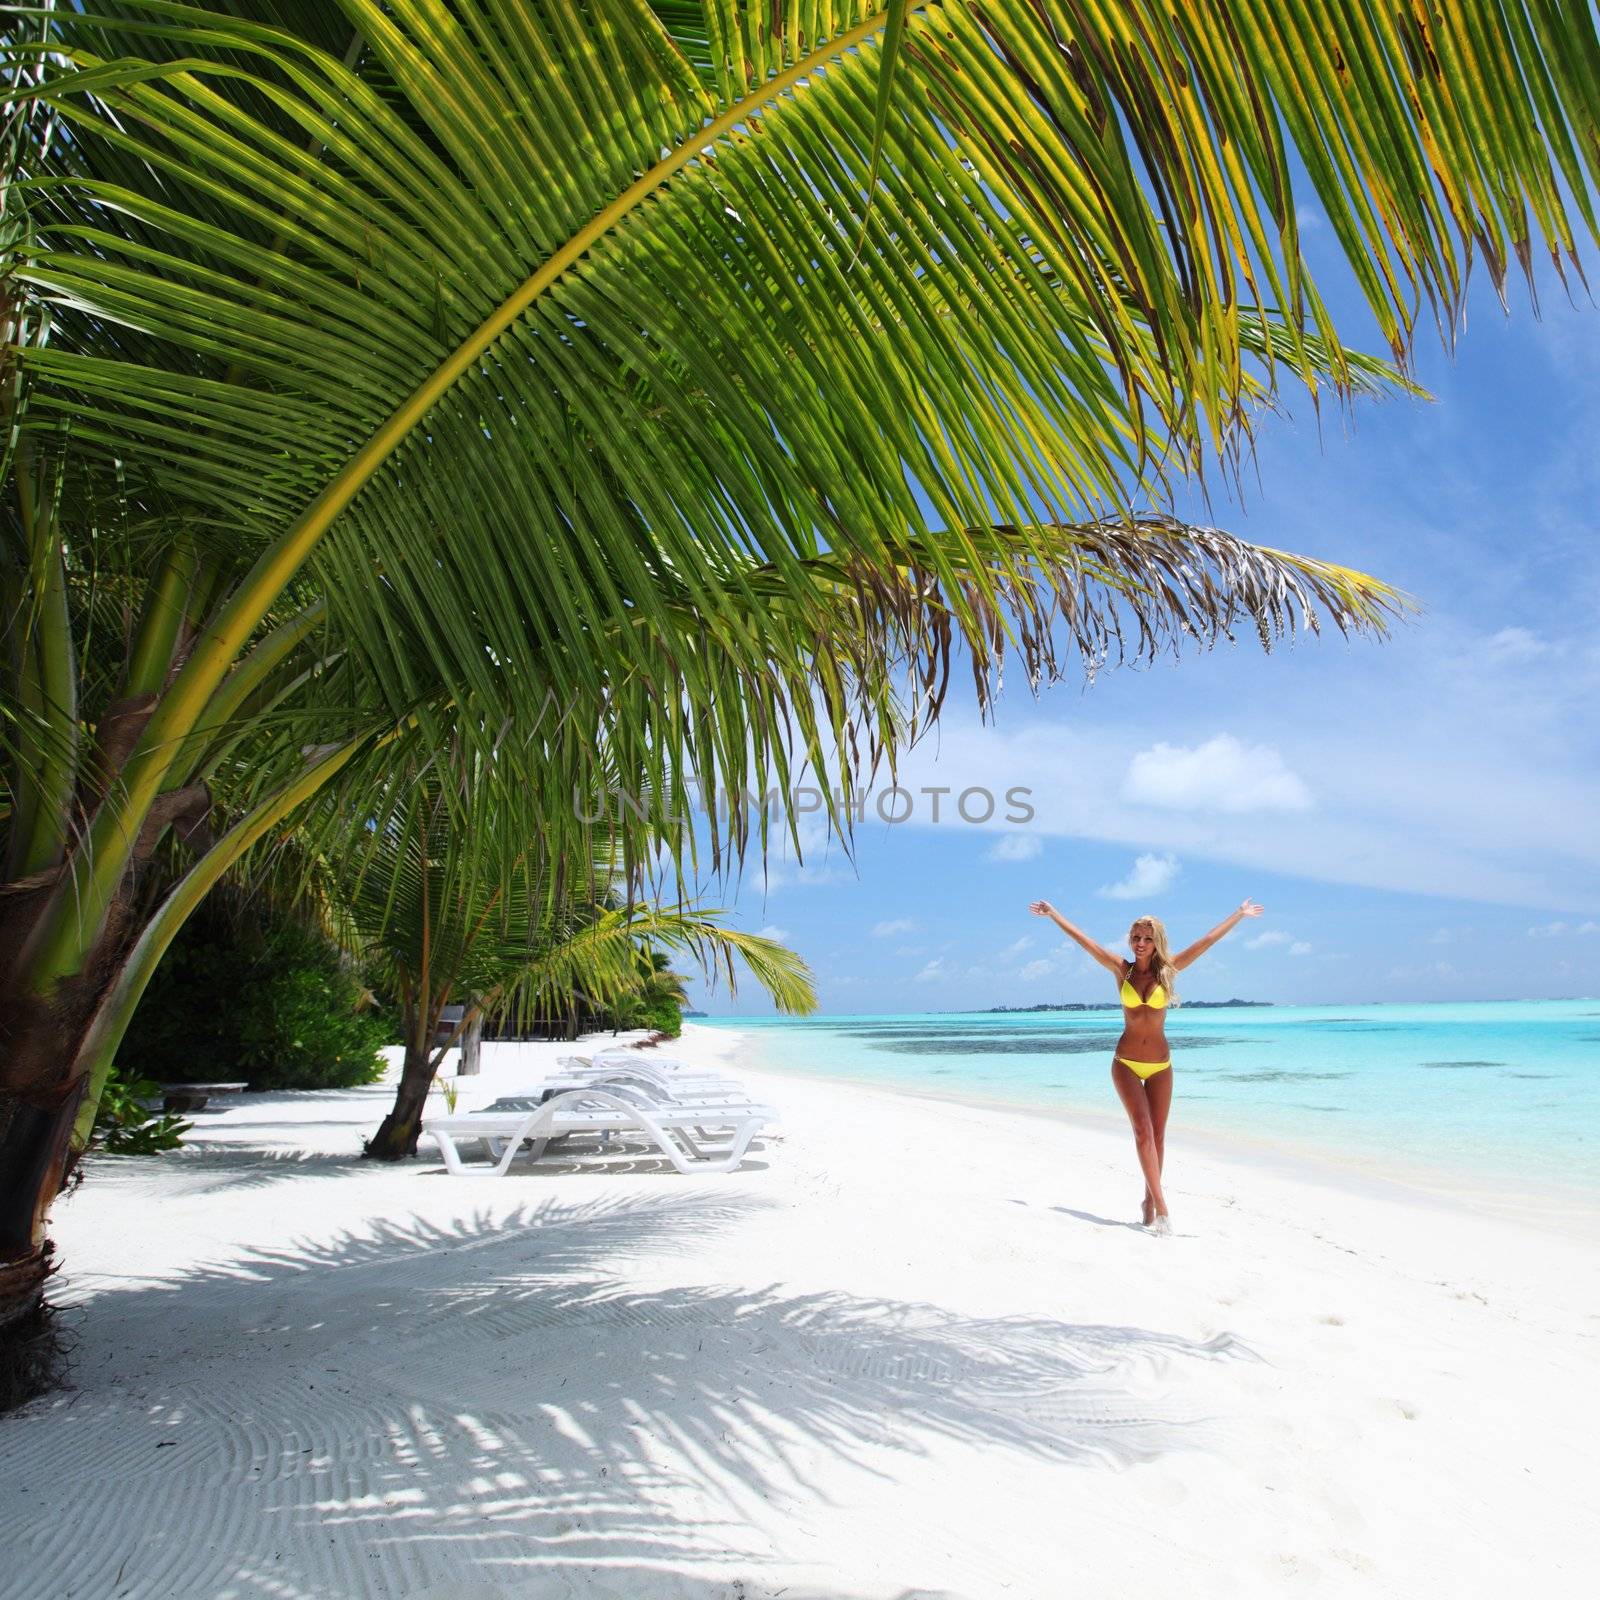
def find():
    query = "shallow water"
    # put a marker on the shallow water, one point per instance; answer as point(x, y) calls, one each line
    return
point(1482, 1092)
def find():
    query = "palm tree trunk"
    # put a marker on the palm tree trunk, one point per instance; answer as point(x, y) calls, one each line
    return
point(396, 1137)
point(35, 1140)
point(56, 1048)
point(43, 1084)
point(471, 1043)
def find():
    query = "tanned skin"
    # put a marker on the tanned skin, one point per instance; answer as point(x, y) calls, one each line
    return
point(1144, 1038)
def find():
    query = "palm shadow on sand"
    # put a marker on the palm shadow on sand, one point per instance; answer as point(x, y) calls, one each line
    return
point(484, 1404)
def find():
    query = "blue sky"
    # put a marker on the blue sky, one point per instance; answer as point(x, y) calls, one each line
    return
point(1418, 817)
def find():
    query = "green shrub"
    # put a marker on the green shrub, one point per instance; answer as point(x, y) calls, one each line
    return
point(659, 1014)
point(663, 1016)
point(268, 1001)
point(126, 1124)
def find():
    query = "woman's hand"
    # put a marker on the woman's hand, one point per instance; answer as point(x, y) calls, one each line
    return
point(1251, 909)
point(1042, 908)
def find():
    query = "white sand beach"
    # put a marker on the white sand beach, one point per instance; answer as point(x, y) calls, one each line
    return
point(910, 1349)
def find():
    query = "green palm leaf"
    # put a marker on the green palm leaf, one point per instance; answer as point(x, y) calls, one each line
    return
point(370, 286)
point(543, 332)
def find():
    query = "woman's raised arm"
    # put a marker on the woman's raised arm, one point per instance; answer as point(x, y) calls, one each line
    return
point(1194, 951)
point(1113, 963)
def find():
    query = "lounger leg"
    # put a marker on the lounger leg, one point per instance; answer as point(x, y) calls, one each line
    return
point(675, 1143)
point(741, 1143)
point(514, 1144)
point(447, 1149)
point(708, 1136)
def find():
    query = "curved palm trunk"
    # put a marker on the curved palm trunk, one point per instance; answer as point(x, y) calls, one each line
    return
point(396, 1137)
point(58, 1048)
point(35, 1145)
point(46, 1082)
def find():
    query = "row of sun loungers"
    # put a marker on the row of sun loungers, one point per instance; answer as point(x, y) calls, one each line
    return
point(701, 1121)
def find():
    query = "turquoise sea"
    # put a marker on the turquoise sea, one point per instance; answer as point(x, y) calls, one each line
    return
point(1474, 1096)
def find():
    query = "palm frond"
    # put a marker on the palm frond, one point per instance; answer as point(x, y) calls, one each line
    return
point(437, 303)
point(446, 897)
point(540, 338)
point(600, 959)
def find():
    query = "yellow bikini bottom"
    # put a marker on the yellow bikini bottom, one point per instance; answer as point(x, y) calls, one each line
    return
point(1144, 1069)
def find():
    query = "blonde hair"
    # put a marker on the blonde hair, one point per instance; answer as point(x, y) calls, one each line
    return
point(1166, 973)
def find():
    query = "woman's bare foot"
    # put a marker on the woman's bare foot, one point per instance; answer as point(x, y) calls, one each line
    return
point(1147, 1210)
point(1161, 1227)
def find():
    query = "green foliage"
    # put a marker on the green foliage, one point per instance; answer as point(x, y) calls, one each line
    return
point(125, 1124)
point(658, 999)
point(899, 376)
point(270, 1003)
point(449, 891)
point(662, 1016)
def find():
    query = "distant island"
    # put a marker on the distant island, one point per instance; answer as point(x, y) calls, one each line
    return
point(1113, 1005)
point(694, 1013)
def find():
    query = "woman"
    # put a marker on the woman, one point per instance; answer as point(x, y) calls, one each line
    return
point(1142, 1066)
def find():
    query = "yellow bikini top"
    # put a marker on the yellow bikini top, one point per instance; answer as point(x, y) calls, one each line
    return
point(1132, 1000)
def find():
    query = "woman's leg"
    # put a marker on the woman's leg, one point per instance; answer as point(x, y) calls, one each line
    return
point(1132, 1091)
point(1158, 1096)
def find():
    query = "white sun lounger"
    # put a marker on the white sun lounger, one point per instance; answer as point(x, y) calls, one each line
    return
point(666, 1068)
point(717, 1097)
point(723, 1093)
point(674, 1126)
point(676, 1129)
point(678, 1086)
point(677, 1071)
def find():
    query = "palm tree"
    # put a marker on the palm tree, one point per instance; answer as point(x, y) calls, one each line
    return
point(658, 983)
point(448, 901)
point(655, 994)
point(657, 385)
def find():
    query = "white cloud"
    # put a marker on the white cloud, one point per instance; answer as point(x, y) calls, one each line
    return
point(1271, 937)
point(1222, 774)
point(1515, 644)
point(788, 874)
point(1015, 847)
point(780, 934)
point(1016, 949)
point(1299, 948)
point(1036, 969)
point(936, 971)
point(1483, 799)
point(885, 930)
point(1443, 936)
point(1149, 875)
point(1549, 930)
point(1589, 927)
point(1436, 969)
point(822, 858)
